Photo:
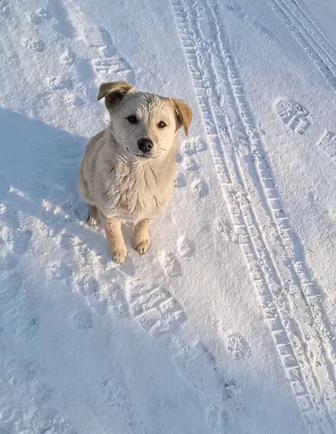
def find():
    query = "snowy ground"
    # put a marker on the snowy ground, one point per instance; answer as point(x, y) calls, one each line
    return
point(228, 324)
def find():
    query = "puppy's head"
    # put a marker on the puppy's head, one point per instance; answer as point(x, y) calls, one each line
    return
point(144, 125)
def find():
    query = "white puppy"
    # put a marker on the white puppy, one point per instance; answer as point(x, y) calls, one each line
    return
point(129, 168)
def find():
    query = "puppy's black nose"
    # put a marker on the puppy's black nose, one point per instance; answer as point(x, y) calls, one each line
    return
point(145, 145)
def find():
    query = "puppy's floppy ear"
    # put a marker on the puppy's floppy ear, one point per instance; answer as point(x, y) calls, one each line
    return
point(183, 114)
point(114, 92)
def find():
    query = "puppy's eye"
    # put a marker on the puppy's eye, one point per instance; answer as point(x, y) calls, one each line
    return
point(162, 124)
point(132, 119)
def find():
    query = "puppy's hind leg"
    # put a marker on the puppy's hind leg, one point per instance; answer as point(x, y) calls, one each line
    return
point(141, 237)
point(93, 219)
point(116, 240)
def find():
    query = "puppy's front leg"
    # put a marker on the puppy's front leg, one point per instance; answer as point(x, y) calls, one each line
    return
point(116, 240)
point(141, 237)
point(93, 219)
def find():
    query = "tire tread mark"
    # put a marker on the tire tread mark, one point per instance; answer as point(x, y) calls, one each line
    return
point(246, 225)
point(303, 290)
point(308, 41)
point(299, 278)
point(301, 284)
point(315, 31)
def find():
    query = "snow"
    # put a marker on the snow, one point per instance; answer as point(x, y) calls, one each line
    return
point(227, 325)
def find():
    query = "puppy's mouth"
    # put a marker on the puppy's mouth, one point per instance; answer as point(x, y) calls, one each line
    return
point(142, 155)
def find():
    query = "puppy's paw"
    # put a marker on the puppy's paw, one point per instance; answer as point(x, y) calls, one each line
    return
point(93, 221)
point(119, 254)
point(142, 246)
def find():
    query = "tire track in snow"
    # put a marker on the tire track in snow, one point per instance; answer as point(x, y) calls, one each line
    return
point(314, 31)
point(308, 36)
point(290, 299)
point(233, 7)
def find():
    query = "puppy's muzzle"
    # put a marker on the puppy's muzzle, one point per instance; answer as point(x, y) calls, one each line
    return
point(145, 145)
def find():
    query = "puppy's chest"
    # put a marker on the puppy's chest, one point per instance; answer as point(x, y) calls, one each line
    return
point(139, 192)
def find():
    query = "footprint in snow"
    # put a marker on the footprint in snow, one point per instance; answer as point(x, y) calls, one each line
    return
point(23, 320)
point(197, 367)
point(19, 316)
point(225, 228)
point(157, 311)
point(328, 143)
point(199, 188)
point(237, 347)
point(73, 99)
point(117, 301)
point(34, 44)
point(4, 9)
point(109, 63)
point(68, 57)
point(179, 157)
point(193, 145)
point(191, 164)
point(217, 418)
point(59, 271)
point(39, 16)
point(83, 320)
point(59, 83)
point(180, 180)
point(170, 264)
point(88, 286)
point(221, 225)
point(69, 241)
point(117, 396)
point(185, 247)
point(293, 115)
point(16, 240)
point(42, 393)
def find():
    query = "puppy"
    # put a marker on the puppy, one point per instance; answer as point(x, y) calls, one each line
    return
point(128, 170)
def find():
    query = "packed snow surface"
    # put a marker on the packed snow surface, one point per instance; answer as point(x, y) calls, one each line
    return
point(227, 325)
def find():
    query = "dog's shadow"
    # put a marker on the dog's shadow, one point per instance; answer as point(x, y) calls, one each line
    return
point(40, 166)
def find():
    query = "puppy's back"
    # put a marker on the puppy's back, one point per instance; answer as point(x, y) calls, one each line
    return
point(86, 176)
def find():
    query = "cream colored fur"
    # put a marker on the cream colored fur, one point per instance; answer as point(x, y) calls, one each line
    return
point(120, 182)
